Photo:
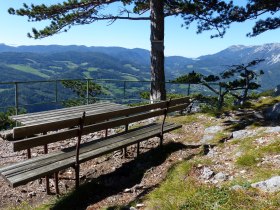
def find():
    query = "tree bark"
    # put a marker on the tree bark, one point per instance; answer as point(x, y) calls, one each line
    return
point(158, 91)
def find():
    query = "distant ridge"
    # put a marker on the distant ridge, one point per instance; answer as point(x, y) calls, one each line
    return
point(57, 61)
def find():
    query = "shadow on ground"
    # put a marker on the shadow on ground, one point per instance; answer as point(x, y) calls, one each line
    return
point(127, 176)
point(247, 117)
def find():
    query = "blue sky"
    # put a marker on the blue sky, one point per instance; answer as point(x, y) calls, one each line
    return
point(129, 34)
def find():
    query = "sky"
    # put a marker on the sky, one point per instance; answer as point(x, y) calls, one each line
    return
point(129, 34)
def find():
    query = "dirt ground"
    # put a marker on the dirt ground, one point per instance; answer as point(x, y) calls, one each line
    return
point(107, 181)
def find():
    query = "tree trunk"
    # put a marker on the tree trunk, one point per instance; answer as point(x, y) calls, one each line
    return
point(158, 91)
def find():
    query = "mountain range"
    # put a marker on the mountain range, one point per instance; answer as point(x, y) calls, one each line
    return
point(63, 62)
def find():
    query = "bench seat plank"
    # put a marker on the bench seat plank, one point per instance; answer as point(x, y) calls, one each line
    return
point(37, 167)
point(94, 144)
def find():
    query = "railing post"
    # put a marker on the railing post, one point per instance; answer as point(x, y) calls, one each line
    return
point(56, 92)
point(124, 87)
point(87, 91)
point(16, 97)
point(189, 88)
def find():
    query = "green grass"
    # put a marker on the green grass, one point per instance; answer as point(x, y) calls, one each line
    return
point(253, 154)
point(182, 191)
point(55, 67)
point(92, 69)
point(28, 69)
point(131, 67)
point(25, 206)
point(250, 158)
point(87, 74)
point(129, 77)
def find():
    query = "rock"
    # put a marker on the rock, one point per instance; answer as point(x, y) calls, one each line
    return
point(238, 154)
point(242, 134)
point(31, 194)
point(132, 208)
point(213, 129)
point(206, 138)
point(139, 205)
point(272, 113)
point(127, 190)
point(207, 173)
point(237, 187)
point(277, 90)
point(272, 129)
point(209, 133)
point(221, 176)
point(270, 185)
point(243, 172)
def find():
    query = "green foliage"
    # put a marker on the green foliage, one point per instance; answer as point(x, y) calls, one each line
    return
point(82, 89)
point(146, 95)
point(234, 80)
point(5, 122)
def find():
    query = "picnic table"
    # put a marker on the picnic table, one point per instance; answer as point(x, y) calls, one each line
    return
point(58, 115)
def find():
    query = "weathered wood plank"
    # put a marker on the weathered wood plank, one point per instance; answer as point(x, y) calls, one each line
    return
point(63, 110)
point(44, 139)
point(23, 178)
point(138, 134)
point(152, 128)
point(57, 116)
point(29, 130)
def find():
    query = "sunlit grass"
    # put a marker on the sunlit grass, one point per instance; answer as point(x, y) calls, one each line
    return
point(183, 191)
point(28, 69)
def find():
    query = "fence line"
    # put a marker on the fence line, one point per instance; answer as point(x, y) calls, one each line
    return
point(126, 92)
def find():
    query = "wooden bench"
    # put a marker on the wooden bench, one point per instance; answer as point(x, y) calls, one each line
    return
point(42, 134)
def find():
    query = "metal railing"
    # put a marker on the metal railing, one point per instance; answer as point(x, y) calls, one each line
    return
point(27, 93)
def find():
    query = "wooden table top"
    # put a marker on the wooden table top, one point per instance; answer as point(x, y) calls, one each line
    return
point(66, 113)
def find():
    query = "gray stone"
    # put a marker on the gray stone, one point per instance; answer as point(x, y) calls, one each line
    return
point(207, 173)
point(273, 113)
point(237, 187)
point(277, 90)
point(272, 129)
point(270, 185)
point(138, 205)
point(206, 138)
point(132, 208)
point(242, 134)
point(220, 176)
point(213, 129)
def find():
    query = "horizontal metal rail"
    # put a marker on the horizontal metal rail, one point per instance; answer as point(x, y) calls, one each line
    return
point(17, 85)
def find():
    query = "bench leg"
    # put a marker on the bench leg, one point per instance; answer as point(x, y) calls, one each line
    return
point(77, 174)
point(28, 153)
point(48, 185)
point(161, 140)
point(138, 148)
point(106, 133)
point(56, 182)
point(47, 177)
point(124, 152)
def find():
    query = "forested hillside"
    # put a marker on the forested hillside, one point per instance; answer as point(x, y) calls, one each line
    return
point(27, 63)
